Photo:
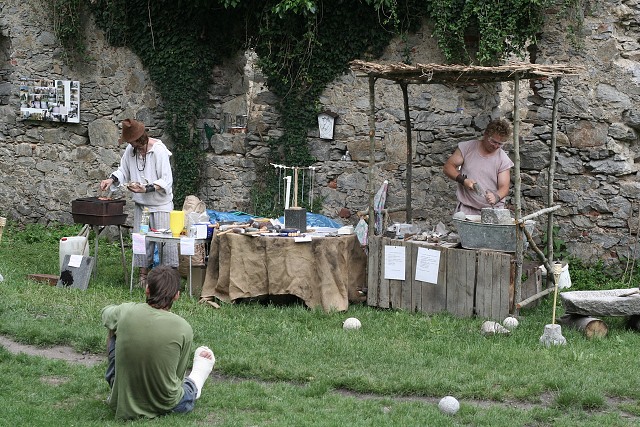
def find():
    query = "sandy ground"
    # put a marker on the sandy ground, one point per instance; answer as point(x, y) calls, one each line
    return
point(57, 352)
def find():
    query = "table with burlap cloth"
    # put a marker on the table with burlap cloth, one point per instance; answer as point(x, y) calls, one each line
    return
point(328, 272)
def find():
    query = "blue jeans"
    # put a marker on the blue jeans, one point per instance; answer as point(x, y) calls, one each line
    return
point(186, 404)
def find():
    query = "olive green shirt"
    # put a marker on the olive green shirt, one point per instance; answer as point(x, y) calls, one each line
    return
point(152, 353)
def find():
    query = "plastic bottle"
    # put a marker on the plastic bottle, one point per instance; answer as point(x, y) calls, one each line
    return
point(144, 221)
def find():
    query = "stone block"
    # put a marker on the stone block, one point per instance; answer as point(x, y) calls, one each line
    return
point(613, 302)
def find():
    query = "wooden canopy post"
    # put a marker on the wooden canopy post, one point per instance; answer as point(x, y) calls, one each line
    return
point(372, 152)
point(552, 172)
point(517, 189)
point(407, 119)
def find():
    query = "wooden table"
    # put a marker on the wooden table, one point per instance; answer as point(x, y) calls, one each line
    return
point(327, 272)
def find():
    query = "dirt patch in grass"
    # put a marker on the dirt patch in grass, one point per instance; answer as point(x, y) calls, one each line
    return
point(56, 352)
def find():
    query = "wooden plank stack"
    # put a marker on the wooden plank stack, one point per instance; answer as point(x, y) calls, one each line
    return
point(470, 282)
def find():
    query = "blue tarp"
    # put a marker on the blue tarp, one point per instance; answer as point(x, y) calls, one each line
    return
point(235, 216)
point(317, 220)
point(313, 219)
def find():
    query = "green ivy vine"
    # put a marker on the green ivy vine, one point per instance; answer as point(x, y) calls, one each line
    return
point(179, 46)
point(302, 46)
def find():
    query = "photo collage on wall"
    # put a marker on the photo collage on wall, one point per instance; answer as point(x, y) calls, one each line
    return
point(50, 100)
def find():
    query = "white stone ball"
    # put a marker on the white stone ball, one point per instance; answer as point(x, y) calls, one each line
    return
point(449, 405)
point(351, 323)
point(510, 323)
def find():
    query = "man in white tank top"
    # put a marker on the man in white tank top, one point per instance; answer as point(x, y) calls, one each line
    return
point(482, 169)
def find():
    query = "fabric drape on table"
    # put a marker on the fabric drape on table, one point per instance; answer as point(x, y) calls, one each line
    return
point(327, 272)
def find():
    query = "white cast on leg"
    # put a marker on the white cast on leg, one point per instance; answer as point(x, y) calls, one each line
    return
point(202, 367)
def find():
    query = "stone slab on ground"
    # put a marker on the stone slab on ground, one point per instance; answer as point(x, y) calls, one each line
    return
point(613, 302)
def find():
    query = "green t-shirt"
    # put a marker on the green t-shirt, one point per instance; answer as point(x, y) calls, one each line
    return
point(152, 352)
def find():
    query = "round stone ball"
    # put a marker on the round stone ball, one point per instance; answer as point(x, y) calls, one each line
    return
point(351, 323)
point(510, 323)
point(449, 405)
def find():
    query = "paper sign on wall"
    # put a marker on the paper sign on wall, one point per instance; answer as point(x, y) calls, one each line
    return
point(427, 265)
point(394, 262)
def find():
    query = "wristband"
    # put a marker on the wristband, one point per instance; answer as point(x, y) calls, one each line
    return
point(460, 178)
point(114, 178)
point(149, 188)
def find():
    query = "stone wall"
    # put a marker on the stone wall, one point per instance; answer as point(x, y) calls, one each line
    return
point(46, 165)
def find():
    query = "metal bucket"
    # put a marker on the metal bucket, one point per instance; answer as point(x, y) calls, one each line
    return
point(497, 237)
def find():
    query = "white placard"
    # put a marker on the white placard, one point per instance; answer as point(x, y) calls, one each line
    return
point(201, 231)
point(302, 239)
point(427, 265)
point(138, 242)
point(394, 262)
point(75, 260)
point(187, 246)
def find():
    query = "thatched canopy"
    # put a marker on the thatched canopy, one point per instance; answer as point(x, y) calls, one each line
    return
point(460, 74)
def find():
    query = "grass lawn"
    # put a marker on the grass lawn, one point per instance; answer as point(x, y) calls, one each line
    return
point(291, 366)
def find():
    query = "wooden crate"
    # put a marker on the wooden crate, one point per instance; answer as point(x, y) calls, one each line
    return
point(470, 282)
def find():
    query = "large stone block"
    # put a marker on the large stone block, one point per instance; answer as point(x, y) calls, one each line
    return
point(614, 302)
point(586, 134)
point(103, 133)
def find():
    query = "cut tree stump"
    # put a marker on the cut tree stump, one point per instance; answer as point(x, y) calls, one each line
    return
point(590, 326)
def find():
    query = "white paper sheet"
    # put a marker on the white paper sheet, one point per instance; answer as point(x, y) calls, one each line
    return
point(394, 262)
point(187, 246)
point(75, 260)
point(427, 265)
point(302, 239)
point(138, 244)
point(201, 231)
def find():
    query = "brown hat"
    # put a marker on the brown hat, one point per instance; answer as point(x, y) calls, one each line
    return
point(131, 130)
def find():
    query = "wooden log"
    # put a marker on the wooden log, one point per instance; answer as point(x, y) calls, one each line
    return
point(49, 279)
point(590, 326)
point(532, 298)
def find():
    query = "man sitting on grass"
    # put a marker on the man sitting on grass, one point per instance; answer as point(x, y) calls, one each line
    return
point(148, 352)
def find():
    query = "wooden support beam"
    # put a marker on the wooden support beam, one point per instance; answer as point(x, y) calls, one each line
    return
point(532, 298)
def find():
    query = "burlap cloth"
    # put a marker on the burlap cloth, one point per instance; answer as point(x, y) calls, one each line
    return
point(327, 272)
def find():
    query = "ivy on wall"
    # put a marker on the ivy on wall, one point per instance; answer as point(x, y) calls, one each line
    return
point(302, 45)
point(495, 29)
point(178, 45)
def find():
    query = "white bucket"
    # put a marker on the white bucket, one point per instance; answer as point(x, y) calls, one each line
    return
point(75, 245)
